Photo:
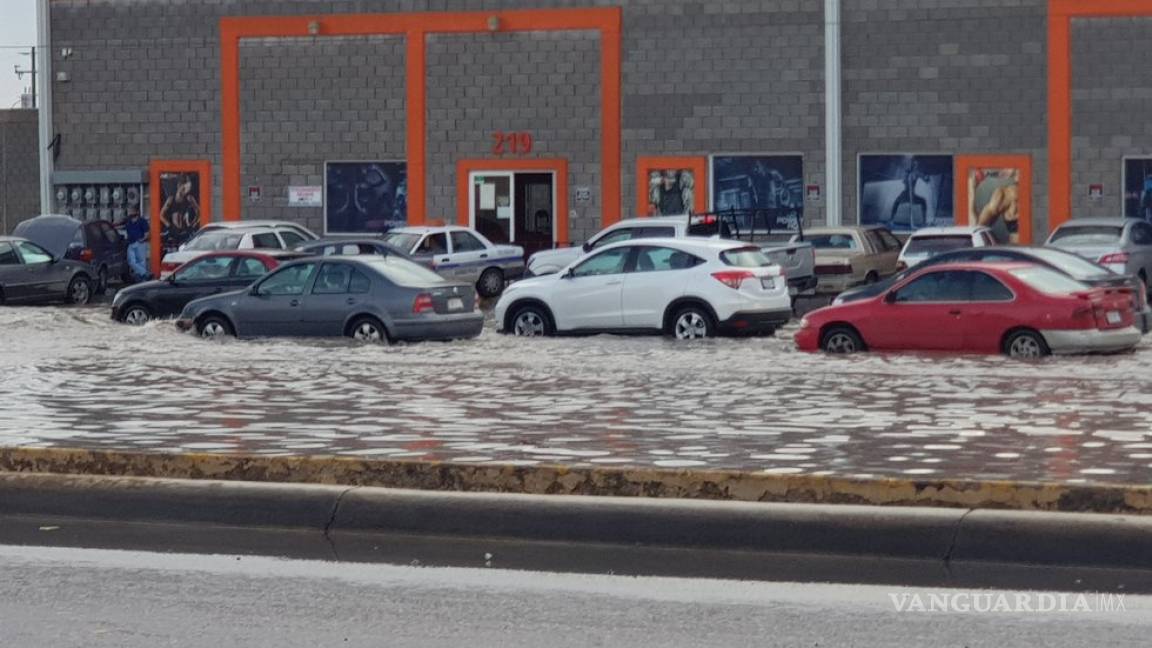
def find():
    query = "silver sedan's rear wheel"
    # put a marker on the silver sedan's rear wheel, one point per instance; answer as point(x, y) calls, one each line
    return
point(368, 330)
point(213, 327)
point(80, 290)
point(692, 323)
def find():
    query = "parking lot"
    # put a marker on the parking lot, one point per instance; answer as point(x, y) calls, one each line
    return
point(72, 378)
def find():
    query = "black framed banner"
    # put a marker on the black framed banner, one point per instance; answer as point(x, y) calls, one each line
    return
point(365, 197)
point(906, 191)
point(762, 182)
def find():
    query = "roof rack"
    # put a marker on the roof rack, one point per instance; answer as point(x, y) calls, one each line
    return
point(746, 224)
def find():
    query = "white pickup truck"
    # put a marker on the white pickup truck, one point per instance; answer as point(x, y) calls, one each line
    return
point(795, 257)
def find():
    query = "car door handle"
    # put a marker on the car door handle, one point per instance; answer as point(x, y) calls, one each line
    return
point(483, 256)
point(350, 301)
point(955, 312)
point(294, 302)
point(614, 283)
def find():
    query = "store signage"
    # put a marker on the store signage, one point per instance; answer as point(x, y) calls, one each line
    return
point(1095, 191)
point(812, 193)
point(255, 193)
point(583, 194)
point(305, 196)
point(511, 143)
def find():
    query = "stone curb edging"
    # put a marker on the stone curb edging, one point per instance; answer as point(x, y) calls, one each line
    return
point(565, 480)
point(344, 513)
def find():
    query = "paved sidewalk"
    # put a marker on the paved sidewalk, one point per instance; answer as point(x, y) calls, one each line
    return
point(70, 378)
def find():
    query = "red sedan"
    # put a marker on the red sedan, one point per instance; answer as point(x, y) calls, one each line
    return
point(1021, 310)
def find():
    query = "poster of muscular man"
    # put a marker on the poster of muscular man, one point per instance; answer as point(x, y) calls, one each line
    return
point(1138, 188)
point(180, 209)
point(994, 202)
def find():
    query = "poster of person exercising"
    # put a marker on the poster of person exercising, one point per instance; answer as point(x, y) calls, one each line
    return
point(180, 211)
point(906, 192)
point(772, 183)
point(1138, 188)
point(994, 201)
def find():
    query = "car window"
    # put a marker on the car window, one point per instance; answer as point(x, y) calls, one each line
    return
point(33, 253)
point(365, 248)
point(215, 240)
point(333, 279)
point(745, 257)
point(465, 242)
point(206, 269)
point(659, 259)
point(1142, 234)
point(291, 239)
point(1073, 264)
point(935, 244)
point(77, 238)
point(1087, 234)
point(1048, 281)
point(359, 283)
point(403, 272)
point(654, 232)
point(8, 255)
point(947, 286)
point(290, 280)
point(833, 241)
point(890, 241)
point(986, 288)
point(110, 234)
point(94, 233)
point(615, 236)
point(605, 263)
point(249, 267)
point(433, 244)
point(401, 240)
point(266, 241)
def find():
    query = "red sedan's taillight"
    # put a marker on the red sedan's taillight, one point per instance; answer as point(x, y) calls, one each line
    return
point(423, 304)
point(733, 278)
point(1116, 258)
point(86, 255)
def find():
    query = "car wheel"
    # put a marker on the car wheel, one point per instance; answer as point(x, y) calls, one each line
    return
point(841, 340)
point(491, 283)
point(1026, 344)
point(136, 315)
point(214, 326)
point(692, 323)
point(102, 281)
point(80, 290)
point(871, 278)
point(531, 321)
point(369, 330)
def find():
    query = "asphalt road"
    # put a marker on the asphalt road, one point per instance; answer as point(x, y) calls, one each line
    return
point(93, 598)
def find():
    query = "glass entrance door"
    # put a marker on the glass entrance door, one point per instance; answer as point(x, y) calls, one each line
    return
point(491, 205)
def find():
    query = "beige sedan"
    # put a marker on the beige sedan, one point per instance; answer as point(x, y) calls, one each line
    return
point(851, 256)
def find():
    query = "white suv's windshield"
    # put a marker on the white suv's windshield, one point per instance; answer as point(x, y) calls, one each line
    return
point(745, 257)
point(1088, 234)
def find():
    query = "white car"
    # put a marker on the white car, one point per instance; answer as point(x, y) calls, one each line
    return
point(236, 235)
point(684, 287)
point(930, 241)
point(461, 254)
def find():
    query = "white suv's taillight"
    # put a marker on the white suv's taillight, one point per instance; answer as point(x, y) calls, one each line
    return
point(1116, 258)
point(733, 278)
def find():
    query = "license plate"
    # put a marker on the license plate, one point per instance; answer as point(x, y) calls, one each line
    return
point(1114, 317)
point(455, 303)
point(768, 283)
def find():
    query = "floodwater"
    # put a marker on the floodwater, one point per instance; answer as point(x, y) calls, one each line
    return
point(69, 377)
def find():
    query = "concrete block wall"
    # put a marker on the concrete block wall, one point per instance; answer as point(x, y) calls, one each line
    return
point(1111, 108)
point(544, 83)
point(306, 101)
point(19, 167)
point(955, 77)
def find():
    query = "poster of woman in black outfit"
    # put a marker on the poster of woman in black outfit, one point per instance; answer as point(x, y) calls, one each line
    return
point(180, 213)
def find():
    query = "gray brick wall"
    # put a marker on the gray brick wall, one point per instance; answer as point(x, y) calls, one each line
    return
point(547, 84)
point(1111, 96)
point(19, 167)
point(956, 77)
point(304, 102)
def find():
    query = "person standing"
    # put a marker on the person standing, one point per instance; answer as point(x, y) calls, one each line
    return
point(136, 231)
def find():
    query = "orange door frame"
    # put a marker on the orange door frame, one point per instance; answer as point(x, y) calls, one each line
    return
point(155, 169)
point(415, 27)
point(966, 163)
point(558, 166)
point(1060, 15)
point(697, 164)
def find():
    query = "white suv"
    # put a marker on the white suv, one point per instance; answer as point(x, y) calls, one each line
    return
point(239, 235)
point(687, 288)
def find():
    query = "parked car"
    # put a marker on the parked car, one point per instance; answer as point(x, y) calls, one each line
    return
point(1123, 245)
point(683, 287)
point(353, 247)
point(461, 254)
point(96, 243)
point(372, 299)
point(1065, 263)
point(1020, 310)
point(304, 232)
point(850, 256)
point(30, 273)
point(930, 241)
point(235, 235)
point(795, 256)
point(213, 273)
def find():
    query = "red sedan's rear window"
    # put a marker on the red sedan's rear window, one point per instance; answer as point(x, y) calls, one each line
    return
point(1048, 281)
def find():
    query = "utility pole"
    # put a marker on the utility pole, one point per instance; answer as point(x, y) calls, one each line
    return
point(29, 71)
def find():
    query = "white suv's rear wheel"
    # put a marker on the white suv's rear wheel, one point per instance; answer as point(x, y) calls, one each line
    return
point(692, 323)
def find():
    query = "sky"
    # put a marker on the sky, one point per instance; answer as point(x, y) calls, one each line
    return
point(17, 28)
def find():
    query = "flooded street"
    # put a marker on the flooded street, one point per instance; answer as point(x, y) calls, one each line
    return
point(73, 378)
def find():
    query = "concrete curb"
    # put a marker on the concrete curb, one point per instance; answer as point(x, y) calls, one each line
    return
point(564, 480)
point(350, 514)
